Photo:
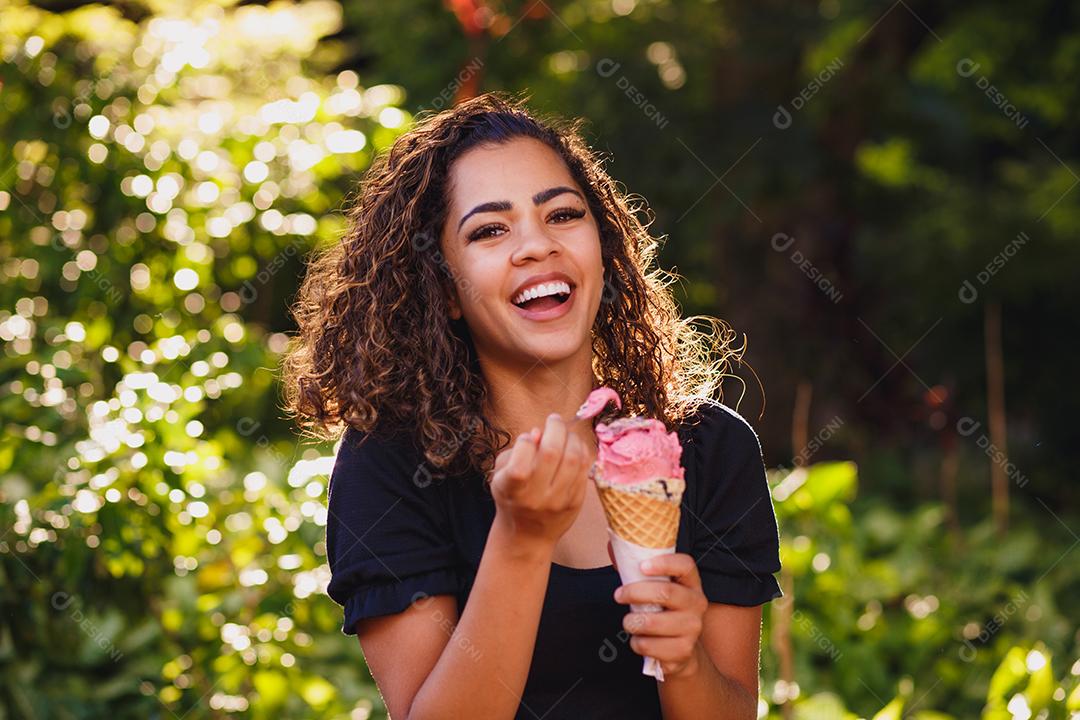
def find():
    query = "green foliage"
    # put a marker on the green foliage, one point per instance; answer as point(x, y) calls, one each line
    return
point(897, 605)
point(162, 180)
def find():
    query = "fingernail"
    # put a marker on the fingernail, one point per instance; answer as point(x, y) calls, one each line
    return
point(646, 566)
point(618, 594)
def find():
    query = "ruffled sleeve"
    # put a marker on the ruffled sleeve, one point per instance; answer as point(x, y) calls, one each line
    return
point(388, 536)
point(734, 535)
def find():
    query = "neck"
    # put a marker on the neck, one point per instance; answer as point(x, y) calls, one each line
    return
point(521, 397)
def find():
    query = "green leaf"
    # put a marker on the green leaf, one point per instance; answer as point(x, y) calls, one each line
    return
point(1072, 704)
point(317, 692)
point(1008, 677)
point(826, 483)
point(1040, 689)
point(893, 711)
point(821, 706)
point(272, 687)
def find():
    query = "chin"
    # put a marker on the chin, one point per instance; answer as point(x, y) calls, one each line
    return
point(552, 353)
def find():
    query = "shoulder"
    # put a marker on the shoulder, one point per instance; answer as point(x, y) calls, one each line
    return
point(358, 443)
point(375, 471)
point(723, 455)
point(378, 491)
point(714, 429)
point(733, 534)
point(375, 462)
point(389, 535)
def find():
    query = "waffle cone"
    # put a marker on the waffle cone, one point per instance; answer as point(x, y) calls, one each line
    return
point(646, 514)
point(640, 519)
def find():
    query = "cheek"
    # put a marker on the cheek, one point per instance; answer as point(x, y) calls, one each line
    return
point(479, 280)
point(591, 260)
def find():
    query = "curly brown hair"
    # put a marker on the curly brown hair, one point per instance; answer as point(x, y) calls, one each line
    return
point(377, 350)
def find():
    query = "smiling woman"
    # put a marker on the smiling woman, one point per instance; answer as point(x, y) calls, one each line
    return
point(529, 257)
point(378, 343)
point(492, 276)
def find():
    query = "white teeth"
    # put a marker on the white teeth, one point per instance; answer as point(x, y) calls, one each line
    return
point(542, 290)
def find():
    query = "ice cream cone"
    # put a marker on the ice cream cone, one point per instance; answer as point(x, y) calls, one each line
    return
point(639, 478)
point(646, 514)
point(643, 522)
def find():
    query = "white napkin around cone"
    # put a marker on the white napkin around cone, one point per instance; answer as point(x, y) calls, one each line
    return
point(628, 559)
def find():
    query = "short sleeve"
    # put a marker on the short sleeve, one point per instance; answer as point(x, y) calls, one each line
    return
point(734, 537)
point(388, 539)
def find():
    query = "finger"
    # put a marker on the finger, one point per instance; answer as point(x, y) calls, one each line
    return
point(519, 467)
point(550, 450)
point(669, 595)
point(674, 623)
point(680, 567)
point(672, 650)
point(569, 480)
point(503, 457)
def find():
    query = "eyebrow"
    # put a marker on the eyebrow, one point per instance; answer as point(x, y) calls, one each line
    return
point(503, 205)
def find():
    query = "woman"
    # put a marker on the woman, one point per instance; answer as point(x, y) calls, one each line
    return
point(492, 275)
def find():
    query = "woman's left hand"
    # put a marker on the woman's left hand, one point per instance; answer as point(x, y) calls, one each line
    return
point(670, 635)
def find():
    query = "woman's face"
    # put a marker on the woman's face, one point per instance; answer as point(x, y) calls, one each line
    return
point(518, 226)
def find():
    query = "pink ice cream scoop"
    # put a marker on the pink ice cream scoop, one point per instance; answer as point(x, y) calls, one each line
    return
point(597, 401)
point(632, 450)
point(635, 450)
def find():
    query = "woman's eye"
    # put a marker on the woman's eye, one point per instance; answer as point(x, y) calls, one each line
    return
point(561, 215)
point(485, 231)
point(566, 214)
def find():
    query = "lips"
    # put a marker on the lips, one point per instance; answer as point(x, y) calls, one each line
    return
point(549, 279)
point(554, 289)
point(550, 312)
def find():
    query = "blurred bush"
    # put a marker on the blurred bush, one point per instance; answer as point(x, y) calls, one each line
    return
point(888, 606)
point(162, 180)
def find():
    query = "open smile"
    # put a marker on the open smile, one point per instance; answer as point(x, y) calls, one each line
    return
point(545, 302)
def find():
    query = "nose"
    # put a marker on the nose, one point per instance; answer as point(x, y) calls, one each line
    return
point(534, 243)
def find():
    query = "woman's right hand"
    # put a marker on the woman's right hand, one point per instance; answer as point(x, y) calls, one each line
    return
point(539, 488)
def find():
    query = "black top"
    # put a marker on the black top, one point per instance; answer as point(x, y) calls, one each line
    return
point(394, 535)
